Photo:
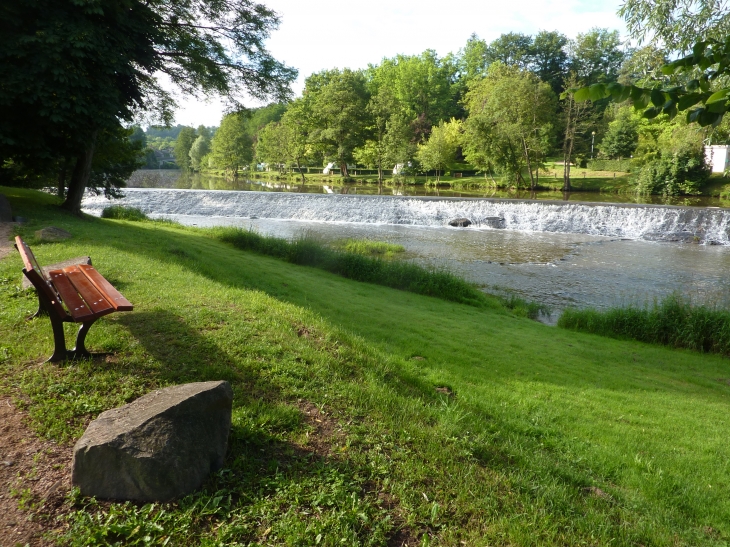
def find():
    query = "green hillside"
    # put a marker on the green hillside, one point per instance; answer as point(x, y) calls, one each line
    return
point(365, 415)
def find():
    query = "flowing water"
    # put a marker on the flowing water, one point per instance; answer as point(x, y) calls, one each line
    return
point(561, 254)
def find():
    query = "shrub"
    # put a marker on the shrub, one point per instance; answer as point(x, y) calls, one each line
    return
point(119, 212)
point(369, 248)
point(396, 274)
point(675, 174)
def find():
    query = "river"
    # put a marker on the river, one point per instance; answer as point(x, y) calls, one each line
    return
point(555, 252)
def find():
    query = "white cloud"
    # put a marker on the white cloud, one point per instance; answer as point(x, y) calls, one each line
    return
point(322, 34)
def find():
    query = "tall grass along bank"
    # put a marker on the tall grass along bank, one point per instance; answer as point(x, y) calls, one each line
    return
point(354, 265)
point(672, 322)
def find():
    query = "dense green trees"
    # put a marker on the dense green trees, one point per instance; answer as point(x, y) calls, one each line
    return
point(511, 122)
point(285, 143)
point(337, 102)
point(501, 95)
point(71, 71)
point(439, 151)
point(183, 144)
point(622, 136)
point(697, 83)
point(231, 147)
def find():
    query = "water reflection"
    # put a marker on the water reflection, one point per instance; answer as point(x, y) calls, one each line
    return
point(176, 179)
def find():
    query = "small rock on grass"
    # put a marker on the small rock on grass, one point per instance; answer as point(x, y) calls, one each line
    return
point(52, 233)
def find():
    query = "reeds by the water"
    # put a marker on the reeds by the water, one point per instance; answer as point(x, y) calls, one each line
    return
point(354, 265)
point(672, 322)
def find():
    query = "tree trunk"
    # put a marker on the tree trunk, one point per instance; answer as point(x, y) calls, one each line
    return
point(80, 177)
point(567, 157)
point(568, 141)
point(529, 165)
point(62, 179)
point(301, 173)
point(343, 170)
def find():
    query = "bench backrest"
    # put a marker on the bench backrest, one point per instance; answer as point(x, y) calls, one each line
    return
point(28, 257)
point(38, 277)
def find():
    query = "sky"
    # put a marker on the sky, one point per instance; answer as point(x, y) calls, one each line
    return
point(322, 34)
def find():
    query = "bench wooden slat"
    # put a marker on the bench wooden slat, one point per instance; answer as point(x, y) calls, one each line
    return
point(114, 297)
point(29, 260)
point(94, 299)
point(75, 304)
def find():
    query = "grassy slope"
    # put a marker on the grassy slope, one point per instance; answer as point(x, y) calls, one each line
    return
point(552, 437)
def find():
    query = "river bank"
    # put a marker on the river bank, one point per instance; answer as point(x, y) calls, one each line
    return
point(590, 188)
point(370, 414)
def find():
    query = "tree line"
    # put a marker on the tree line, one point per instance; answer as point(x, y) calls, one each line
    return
point(75, 75)
point(501, 107)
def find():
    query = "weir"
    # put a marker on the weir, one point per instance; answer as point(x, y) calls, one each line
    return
point(648, 222)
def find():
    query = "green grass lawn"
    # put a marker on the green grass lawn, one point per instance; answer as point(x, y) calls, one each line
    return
point(368, 416)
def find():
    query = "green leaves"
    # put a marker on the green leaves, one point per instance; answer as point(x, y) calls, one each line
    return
point(582, 94)
point(713, 103)
point(717, 96)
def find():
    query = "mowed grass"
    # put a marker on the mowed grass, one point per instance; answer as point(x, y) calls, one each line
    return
point(447, 424)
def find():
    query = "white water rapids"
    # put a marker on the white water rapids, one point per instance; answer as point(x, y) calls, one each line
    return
point(652, 222)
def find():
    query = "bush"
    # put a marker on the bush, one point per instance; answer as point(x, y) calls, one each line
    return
point(119, 212)
point(673, 322)
point(610, 165)
point(674, 174)
point(369, 248)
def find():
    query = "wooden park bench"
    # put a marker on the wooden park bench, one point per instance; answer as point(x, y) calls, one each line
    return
point(75, 294)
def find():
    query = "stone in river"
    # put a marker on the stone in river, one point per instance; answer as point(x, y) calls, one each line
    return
point(460, 222)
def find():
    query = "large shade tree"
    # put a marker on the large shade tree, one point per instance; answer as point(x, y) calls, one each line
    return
point(73, 69)
point(338, 118)
point(510, 123)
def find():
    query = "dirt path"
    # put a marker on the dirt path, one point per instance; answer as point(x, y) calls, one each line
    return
point(6, 246)
point(34, 473)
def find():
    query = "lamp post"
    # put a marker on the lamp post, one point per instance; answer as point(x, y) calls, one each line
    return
point(593, 139)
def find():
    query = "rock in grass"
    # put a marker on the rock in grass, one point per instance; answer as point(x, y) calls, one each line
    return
point(52, 234)
point(460, 222)
point(6, 215)
point(157, 448)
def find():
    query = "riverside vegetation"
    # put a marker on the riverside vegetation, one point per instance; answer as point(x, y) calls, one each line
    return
point(365, 415)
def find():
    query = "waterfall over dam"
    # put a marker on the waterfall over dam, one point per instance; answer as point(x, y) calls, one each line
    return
point(649, 222)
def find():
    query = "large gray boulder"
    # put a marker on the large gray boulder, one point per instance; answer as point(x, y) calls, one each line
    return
point(157, 448)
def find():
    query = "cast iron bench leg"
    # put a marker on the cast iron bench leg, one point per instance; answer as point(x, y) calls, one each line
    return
point(80, 351)
point(41, 310)
point(59, 341)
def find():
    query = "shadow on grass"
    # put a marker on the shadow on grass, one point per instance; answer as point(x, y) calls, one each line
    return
point(261, 463)
point(185, 355)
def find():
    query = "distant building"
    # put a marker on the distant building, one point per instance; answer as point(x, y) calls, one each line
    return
point(718, 156)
